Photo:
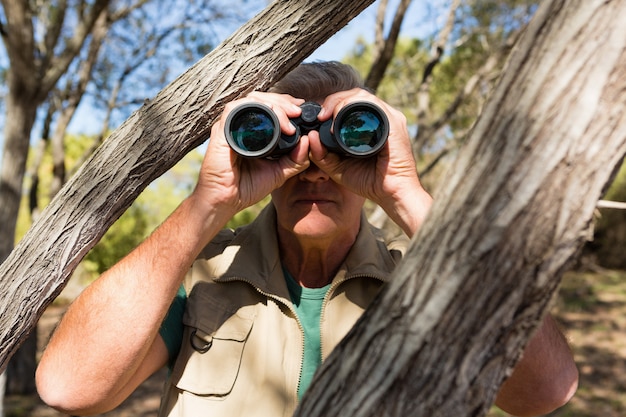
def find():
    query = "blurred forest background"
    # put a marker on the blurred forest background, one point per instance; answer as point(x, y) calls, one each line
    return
point(79, 68)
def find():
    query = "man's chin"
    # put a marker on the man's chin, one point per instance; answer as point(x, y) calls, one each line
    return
point(315, 225)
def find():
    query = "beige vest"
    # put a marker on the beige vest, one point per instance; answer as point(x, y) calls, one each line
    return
point(242, 345)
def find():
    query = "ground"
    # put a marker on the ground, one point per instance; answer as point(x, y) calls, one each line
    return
point(591, 309)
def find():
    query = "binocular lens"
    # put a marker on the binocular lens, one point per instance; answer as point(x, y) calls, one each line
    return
point(361, 131)
point(252, 130)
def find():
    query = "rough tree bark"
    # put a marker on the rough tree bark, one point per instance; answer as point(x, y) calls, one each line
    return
point(151, 141)
point(441, 338)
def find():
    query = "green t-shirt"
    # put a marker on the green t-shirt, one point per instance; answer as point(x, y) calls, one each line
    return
point(172, 327)
point(307, 303)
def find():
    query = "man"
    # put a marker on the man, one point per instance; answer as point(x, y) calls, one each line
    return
point(260, 308)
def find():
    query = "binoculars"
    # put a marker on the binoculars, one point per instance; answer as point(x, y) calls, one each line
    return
point(359, 130)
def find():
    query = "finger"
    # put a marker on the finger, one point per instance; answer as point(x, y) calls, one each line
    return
point(321, 156)
point(284, 106)
point(300, 155)
point(273, 98)
point(284, 114)
point(316, 149)
point(334, 102)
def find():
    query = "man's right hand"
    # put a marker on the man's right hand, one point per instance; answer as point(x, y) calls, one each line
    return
point(233, 182)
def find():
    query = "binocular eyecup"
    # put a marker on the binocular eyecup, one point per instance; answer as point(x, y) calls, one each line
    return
point(360, 130)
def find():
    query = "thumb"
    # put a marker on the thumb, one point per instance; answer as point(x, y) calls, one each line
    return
point(325, 160)
point(297, 160)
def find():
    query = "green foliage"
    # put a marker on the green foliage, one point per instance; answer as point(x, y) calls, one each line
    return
point(617, 190)
point(399, 86)
point(248, 215)
point(129, 230)
point(609, 242)
point(161, 197)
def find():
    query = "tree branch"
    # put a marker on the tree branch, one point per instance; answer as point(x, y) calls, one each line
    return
point(19, 39)
point(423, 95)
point(53, 31)
point(59, 64)
point(385, 47)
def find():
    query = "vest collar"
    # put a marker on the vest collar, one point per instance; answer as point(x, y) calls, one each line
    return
point(253, 256)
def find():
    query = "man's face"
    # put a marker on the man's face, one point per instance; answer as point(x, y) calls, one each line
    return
point(312, 206)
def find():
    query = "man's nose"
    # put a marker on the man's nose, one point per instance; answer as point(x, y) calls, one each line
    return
point(313, 174)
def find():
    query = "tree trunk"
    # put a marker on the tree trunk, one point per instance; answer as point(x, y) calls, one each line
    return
point(482, 271)
point(3, 379)
point(22, 108)
point(151, 141)
point(20, 372)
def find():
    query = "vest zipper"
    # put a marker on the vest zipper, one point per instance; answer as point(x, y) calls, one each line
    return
point(329, 293)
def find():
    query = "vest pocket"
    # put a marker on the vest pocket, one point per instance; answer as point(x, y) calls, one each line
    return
point(210, 357)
